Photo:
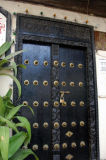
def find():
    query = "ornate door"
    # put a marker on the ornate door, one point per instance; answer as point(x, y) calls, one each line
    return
point(56, 84)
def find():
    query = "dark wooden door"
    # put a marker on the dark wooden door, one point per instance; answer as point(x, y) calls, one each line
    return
point(59, 85)
point(54, 85)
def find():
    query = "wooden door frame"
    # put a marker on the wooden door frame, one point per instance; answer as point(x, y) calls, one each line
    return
point(81, 36)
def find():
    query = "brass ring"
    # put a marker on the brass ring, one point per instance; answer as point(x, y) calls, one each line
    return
point(35, 147)
point(26, 82)
point(25, 103)
point(80, 66)
point(36, 62)
point(35, 82)
point(26, 61)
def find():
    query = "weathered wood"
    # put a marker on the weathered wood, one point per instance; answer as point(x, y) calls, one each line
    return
point(100, 40)
point(97, 7)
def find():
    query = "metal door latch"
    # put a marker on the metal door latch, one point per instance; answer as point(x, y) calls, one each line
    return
point(62, 96)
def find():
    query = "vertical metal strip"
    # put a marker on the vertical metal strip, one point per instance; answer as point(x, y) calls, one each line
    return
point(55, 97)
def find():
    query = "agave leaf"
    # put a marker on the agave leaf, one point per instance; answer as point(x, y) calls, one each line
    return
point(21, 66)
point(14, 67)
point(10, 124)
point(21, 154)
point(13, 111)
point(9, 93)
point(16, 81)
point(2, 107)
point(5, 47)
point(1, 157)
point(25, 123)
point(12, 55)
point(16, 142)
point(4, 142)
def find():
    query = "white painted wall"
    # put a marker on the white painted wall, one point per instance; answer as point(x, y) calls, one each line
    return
point(99, 25)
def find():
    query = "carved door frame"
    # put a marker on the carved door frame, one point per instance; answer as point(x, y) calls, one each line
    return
point(81, 36)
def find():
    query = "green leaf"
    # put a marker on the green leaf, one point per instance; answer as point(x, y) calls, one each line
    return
point(13, 111)
point(16, 142)
point(4, 142)
point(2, 107)
point(16, 81)
point(12, 55)
point(10, 124)
point(14, 67)
point(9, 93)
point(5, 47)
point(22, 154)
point(21, 66)
point(2, 62)
point(1, 157)
point(25, 123)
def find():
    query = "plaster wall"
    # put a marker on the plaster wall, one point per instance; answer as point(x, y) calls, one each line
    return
point(99, 25)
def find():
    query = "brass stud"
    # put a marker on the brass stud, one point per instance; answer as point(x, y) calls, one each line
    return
point(80, 84)
point(45, 63)
point(45, 124)
point(82, 144)
point(64, 124)
point(26, 82)
point(63, 83)
point(26, 61)
point(35, 125)
point(45, 104)
point(56, 146)
point(63, 64)
point(64, 104)
point(56, 63)
point(45, 83)
point(69, 134)
point(73, 145)
point(69, 157)
point(56, 83)
point(56, 104)
point(56, 125)
point(81, 103)
point(36, 62)
point(64, 145)
point(35, 82)
point(45, 147)
point(73, 124)
point(25, 103)
point(35, 147)
point(71, 65)
point(72, 84)
point(35, 103)
point(80, 66)
point(82, 124)
point(73, 103)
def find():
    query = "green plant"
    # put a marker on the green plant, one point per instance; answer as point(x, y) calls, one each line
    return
point(11, 146)
point(6, 64)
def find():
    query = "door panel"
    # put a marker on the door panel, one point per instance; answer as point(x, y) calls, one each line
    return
point(66, 112)
point(75, 113)
point(38, 95)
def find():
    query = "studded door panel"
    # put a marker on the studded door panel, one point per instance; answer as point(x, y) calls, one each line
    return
point(54, 85)
point(73, 110)
point(36, 92)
